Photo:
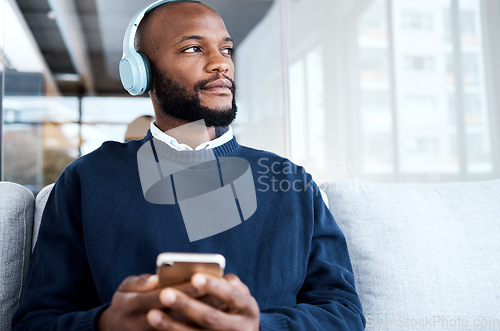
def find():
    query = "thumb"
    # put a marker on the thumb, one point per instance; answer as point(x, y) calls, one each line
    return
point(142, 283)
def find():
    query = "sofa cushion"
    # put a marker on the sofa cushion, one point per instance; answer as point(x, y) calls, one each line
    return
point(16, 226)
point(40, 201)
point(423, 255)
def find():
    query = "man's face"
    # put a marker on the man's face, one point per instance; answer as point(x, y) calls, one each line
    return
point(177, 102)
point(191, 57)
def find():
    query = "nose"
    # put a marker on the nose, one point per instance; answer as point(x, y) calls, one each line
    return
point(217, 62)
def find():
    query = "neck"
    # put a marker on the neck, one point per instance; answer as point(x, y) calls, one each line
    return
point(190, 133)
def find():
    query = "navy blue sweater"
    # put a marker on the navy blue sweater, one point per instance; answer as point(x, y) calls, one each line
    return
point(98, 228)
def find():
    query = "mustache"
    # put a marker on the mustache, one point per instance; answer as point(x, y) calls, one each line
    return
point(202, 83)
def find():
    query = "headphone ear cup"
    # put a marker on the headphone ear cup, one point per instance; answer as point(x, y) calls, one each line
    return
point(135, 73)
point(134, 68)
point(147, 72)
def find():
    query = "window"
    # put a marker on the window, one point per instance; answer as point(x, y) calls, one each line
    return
point(417, 21)
point(439, 123)
point(42, 135)
point(307, 104)
point(392, 90)
point(418, 63)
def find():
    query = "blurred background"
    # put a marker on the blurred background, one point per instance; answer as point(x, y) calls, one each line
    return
point(381, 90)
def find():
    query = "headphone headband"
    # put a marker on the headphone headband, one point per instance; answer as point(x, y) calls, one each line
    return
point(134, 66)
point(129, 39)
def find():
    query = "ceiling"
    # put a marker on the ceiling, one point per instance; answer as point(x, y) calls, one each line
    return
point(81, 40)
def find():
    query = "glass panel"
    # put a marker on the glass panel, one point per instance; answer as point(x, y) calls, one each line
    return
point(40, 109)
point(115, 109)
point(475, 105)
point(424, 77)
point(60, 148)
point(107, 118)
point(298, 108)
point(316, 124)
point(40, 138)
point(307, 109)
point(375, 105)
point(23, 155)
point(259, 81)
point(93, 135)
point(2, 73)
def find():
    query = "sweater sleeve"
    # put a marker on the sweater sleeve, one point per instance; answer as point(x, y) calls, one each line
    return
point(328, 298)
point(59, 293)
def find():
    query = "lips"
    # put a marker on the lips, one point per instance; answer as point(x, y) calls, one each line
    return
point(219, 86)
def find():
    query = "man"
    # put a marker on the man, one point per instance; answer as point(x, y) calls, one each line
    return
point(287, 264)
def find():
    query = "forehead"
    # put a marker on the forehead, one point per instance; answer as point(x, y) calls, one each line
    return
point(171, 22)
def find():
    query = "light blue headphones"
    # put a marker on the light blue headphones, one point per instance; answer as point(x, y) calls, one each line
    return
point(135, 70)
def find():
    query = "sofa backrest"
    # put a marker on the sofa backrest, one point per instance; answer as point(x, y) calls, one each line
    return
point(425, 256)
point(40, 201)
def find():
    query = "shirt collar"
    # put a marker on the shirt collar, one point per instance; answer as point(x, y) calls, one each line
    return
point(224, 134)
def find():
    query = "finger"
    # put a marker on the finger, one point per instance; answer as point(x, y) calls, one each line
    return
point(144, 294)
point(233, 292)
point(141, 293)
point(197, 311)
point(142, 283)
point(144, 301)
point(189, 289)
point(235, 281)
point(214, 302)
point(162, 321)
point(201, 295)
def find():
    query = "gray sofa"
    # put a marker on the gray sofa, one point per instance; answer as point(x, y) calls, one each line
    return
point(425, 256)
point(20, 215)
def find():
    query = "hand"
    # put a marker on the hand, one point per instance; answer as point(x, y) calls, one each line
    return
point(240, 309)
point(135, 297)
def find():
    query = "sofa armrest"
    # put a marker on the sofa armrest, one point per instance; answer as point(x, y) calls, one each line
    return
point(17, 205)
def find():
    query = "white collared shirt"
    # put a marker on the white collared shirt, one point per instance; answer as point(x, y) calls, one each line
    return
point(172, 142)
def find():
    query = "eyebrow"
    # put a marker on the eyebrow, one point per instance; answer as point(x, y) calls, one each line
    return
point(199, 38)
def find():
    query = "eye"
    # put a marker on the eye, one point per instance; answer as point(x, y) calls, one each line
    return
point(192, 49)
point(228, 51)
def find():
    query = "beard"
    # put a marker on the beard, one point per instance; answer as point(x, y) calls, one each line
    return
point(176, 101)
